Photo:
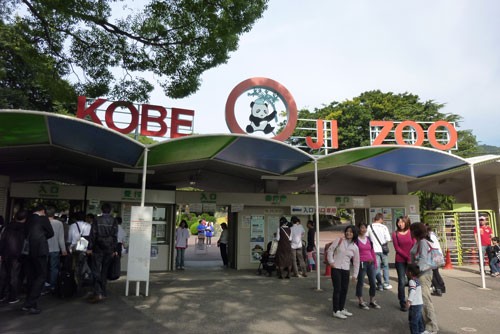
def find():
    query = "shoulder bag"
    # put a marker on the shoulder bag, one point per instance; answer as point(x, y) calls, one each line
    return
point(385, 246)
point(82, 243)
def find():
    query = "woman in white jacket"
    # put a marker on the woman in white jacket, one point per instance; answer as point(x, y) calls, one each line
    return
point(340, 254)
point(181, 243)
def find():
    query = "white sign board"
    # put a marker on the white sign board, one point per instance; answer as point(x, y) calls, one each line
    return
point(141, 222)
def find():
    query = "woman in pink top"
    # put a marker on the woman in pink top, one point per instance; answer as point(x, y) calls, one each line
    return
point(403, 242)
point(368, 265)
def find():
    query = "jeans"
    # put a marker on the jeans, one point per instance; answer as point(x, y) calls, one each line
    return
point(340, 281)
point(297, 255)
point(401, 270)
point(179, 258)
point(382, 263)
point(415, 319)
point(53, 269)
point(494, 265)
point(369, 269)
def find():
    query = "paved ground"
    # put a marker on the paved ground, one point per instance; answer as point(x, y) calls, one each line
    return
point(214, 300)
point(208, 299)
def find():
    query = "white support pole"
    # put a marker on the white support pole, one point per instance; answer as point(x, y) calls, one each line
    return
point(476, 212)
point(318, 257)
point(144, 173)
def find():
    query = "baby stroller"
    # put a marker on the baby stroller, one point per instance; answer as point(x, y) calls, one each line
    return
point(268, 259)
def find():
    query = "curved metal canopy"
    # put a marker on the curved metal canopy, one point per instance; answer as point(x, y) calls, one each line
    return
point(39, 146)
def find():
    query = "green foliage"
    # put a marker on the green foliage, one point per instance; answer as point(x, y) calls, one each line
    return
point(489, 149)
point(354, 116)
point(113, 48)
point(432, 201)
point(29, 78)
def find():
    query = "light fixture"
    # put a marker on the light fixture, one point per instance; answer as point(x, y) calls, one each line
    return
point(279, 178)
point(131, 171)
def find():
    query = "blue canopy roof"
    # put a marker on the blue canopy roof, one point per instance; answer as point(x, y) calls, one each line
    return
point(46, 146)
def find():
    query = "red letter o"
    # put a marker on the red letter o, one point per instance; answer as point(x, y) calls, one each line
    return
point(398, 133)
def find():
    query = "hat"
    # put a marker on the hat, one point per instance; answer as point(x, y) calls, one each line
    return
point(482, 218)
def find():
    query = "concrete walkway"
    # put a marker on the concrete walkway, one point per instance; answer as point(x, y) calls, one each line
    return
point(214, 300)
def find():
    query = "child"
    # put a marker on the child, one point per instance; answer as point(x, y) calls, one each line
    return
point(495, 257)
point(414, 303)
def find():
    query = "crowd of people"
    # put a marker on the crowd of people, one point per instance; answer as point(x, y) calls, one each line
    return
point(362, 252)
point(205, 233)
point(36, 246)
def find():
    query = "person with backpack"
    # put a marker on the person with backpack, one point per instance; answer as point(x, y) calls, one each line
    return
point(419, 255)
point(340, 254)
point(102, 247)
point(80, 261)
point(368, 264)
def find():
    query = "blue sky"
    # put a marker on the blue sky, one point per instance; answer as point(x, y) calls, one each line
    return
point(328, 50)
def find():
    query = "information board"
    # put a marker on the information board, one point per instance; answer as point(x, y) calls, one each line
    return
point(141, 221)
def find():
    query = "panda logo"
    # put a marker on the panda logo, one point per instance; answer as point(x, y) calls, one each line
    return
point(260, 117)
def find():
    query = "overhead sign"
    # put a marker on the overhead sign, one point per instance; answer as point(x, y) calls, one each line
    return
point(150, 120)
point(310, 210)
point(262, 117)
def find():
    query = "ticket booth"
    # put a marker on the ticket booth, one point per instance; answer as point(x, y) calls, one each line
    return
point(122, 200)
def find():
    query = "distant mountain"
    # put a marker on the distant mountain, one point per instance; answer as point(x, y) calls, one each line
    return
point(488, 149)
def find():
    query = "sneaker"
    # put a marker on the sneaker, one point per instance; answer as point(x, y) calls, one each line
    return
point(96, 299)
point(14, 301)
point(374, 305)
point(387, 286)
point(339, 315)
point(34, 311)
point(346, 313)
point(380, 288)
point(364, 306)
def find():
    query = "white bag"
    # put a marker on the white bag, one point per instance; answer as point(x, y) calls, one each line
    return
point(81, 245)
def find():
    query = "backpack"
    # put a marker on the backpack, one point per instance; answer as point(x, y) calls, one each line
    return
point(325, 255)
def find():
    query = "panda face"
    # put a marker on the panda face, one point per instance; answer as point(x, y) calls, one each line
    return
point(260, 110)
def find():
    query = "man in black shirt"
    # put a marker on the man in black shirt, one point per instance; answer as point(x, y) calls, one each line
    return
point(102, 246)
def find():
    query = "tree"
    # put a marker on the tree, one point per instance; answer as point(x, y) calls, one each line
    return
point(353, 118)
point(114, 50)
point(29, 79)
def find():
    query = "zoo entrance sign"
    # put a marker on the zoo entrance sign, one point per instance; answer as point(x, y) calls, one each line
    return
point(262, 117)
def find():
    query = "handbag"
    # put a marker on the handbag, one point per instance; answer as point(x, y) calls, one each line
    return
point(82, 243)
point(434, 258)
point(385, 246)
point(114, 269)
